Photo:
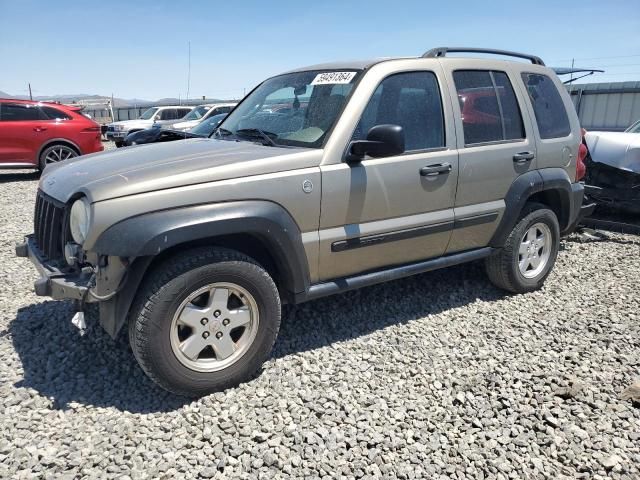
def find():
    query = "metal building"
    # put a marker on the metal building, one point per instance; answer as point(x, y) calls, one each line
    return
point(607, 106)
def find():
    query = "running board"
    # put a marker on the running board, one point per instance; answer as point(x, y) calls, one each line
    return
point(394, 273)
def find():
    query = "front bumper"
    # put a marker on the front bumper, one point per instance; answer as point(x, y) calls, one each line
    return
point(116, 136)
point(53, 282)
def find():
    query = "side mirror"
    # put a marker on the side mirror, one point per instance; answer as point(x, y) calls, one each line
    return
point(382, 141)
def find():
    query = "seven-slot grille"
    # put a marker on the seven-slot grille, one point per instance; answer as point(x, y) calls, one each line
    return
point(48, 224)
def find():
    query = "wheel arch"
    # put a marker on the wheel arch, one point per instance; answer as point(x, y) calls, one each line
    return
point(261, 230)
point(57, 141)
point(551, 187)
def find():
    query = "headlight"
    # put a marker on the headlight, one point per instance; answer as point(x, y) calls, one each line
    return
point(79, 220)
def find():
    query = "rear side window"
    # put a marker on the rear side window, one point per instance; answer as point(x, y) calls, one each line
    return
point(15, 112)
point(55, 114)
point(490, 111)
point(411, 100)
point(548, 106)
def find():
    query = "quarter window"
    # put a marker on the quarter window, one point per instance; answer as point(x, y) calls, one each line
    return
point(489, 108)
point(55, 114)
point(411, 100)
point(548, 107)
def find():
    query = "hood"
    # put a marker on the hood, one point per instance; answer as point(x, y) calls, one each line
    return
point(157, 166)
point(616, 149)
point(187, 124)
point(131, 122)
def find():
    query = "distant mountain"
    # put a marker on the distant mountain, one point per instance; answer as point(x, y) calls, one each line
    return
point(86, 99)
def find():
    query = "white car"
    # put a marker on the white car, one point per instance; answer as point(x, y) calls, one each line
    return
point(201, 113)
point(160, 116)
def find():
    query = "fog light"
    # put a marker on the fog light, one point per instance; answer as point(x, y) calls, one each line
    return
point(71, 252)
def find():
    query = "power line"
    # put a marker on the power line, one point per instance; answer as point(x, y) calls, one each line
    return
point(596, 58)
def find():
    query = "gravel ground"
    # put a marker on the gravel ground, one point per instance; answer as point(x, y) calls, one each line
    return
point(436, 376)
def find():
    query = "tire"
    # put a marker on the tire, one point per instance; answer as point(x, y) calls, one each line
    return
point(119, 144)
point(505, 267)
point(57, 152)
point(164, 323)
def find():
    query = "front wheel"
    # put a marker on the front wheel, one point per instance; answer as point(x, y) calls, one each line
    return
point(204, 321)
point(529, 253)
point(119, 144)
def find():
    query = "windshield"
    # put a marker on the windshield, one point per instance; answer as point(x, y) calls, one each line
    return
point(635, 128)
point(295, 109)
point(207, 126)
point(197, 113)
point(148, 113)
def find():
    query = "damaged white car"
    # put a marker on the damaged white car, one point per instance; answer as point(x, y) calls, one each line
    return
point(613, 168)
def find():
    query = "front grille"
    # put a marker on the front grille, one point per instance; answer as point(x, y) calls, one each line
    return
point(111, 128)
point(49, 226)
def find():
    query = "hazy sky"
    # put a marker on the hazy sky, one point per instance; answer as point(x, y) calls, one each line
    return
point(139, 49)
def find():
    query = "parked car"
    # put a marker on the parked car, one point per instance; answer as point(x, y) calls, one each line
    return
point(154, 116)
point(155, 135)
point(613, 169)
point(200, 113)
point(34, 134)
point(196, 244)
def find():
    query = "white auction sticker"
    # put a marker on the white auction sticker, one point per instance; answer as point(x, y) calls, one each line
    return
point(333, 78)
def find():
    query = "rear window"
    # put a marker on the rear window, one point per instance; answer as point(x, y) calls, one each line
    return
point(489, 108)
point(548, 106)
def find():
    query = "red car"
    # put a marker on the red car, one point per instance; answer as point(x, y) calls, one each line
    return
point(34, 134)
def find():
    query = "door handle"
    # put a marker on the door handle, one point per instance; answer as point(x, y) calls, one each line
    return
point(436, 169)
point(39, 129)
point(523, 157)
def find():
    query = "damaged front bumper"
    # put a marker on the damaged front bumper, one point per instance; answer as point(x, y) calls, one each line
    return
point(53, 282)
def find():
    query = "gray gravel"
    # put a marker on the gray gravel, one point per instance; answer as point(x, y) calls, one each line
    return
point(437, 376)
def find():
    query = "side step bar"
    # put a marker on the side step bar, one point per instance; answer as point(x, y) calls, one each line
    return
point(364, 280)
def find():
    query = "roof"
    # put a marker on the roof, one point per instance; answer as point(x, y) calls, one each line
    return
point(344, 65)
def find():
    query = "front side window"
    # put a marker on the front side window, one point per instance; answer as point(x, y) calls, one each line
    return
point(148, 114)
point(295, 109)
point(168, 114)
point(489, 108)
point(17, 112)
point(548, 107)
point(411, 100)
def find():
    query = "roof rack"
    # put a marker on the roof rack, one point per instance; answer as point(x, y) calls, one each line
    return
point(442, 52)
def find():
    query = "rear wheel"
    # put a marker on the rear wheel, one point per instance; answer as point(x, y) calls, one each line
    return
point(56, 153)
point(529, 253)
point(204, 320)
point(119, 144)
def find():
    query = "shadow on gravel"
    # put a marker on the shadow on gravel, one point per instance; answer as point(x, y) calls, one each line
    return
point(353, 314)
point(92, 369)
point(7, 176)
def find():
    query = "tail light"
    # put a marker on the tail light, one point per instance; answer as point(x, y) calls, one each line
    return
point(581, 168)
point(95, 129)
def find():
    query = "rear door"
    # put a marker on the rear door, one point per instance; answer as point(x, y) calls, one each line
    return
point(383, 211)
point(496, 145)
point(22, 132)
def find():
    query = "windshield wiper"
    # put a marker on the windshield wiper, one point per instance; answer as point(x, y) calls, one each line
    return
point(223, 131)
point(256, 132)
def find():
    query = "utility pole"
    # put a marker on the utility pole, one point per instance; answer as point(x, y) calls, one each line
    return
point(30, 96)
point(572, 64)
point(189, 72)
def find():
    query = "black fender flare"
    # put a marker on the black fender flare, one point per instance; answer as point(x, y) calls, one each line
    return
point(528, 184)
point(150, 234)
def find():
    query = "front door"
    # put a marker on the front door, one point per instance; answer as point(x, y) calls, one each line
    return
point(394, 210)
